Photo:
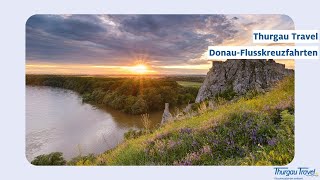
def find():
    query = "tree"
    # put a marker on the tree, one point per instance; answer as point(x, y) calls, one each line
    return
point(54, 159)
point(139, 107)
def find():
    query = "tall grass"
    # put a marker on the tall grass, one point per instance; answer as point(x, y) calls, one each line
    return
point(146, 121)
point(202, 107)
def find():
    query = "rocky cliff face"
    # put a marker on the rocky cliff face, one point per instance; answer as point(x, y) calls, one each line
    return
point(166, 116)
point(240, 76)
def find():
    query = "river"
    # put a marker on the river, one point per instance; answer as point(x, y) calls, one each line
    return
point(57, 120)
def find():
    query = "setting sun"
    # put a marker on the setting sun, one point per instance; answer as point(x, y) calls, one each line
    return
point(139, 69)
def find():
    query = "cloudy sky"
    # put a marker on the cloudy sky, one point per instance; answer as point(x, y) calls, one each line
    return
point(112, 44)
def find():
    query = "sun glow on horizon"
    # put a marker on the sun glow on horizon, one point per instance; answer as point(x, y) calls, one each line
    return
point(139, 69)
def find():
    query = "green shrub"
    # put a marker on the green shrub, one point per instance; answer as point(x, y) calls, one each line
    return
point(139, 107)
point(87, 160)
point(227, 94)
point(132, 134)
point(251, 94)
point(52, 159)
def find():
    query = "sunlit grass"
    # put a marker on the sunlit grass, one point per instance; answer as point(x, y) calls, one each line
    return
point(189, 84)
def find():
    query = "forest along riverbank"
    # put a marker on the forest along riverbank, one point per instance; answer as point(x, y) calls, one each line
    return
point(132, 95)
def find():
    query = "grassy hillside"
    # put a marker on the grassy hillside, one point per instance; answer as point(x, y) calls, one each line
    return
point(253, 130)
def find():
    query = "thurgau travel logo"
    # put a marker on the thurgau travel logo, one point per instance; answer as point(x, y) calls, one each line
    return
point(295, 173)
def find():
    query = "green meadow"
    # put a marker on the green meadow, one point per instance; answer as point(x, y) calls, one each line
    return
point(189, 84)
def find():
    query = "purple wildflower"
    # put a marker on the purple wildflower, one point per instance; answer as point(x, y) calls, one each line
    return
point(215, 142)
point(272, 141)
point(195, 143)
point(182, 163)
point(232, 142)
point(173, 144)
point(187, 163)
point(186, 130)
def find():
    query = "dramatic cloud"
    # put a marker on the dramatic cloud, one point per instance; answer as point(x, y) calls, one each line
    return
point(161, 40)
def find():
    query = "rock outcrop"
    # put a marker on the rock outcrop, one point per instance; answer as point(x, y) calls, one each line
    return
point(166, 116)
point(240, 76)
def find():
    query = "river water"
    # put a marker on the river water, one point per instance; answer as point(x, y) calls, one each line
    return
point(57, 120)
